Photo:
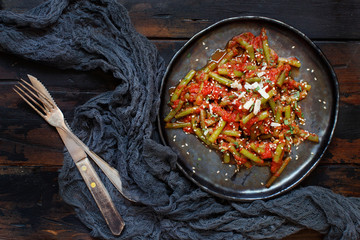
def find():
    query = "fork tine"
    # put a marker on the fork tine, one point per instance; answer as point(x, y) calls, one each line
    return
point(43, 107)
point(28, 102)
point(39, 95)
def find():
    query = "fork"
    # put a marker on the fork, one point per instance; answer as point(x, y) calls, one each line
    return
point(48, 110)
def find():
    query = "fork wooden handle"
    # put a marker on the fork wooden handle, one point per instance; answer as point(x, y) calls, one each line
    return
point(101, 196)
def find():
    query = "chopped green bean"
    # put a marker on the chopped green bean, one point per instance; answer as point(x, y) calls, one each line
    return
point(182, 85)
point(217, 131)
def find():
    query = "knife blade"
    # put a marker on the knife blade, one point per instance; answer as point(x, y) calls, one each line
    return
point(92, 180)
point(109, 171)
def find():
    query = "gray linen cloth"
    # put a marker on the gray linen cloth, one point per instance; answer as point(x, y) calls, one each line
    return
point(120, 127)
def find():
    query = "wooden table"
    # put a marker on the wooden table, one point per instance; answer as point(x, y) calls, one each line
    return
point(31, 151)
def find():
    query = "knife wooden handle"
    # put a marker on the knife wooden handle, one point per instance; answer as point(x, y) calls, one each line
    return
point(101, 196)
point(109, 171)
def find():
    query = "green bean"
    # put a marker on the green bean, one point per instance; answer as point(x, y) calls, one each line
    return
point(217, 131)
point(232, 133)
point(198, 132)
point(278, 152)
point(234, 152)
point(266, 50)
point(287, 111)
point(249, 48)
point(278, 114)
point(291, 61)
point(226, 58)
point(271, 93)
point(173, 112)
point(278, 172)
point(202, 118)
point(177, 125)
point(238, 73)
point(253, 79)
point(272, 105)
point(246, 118)
point(182, 85)
point(308, 136)
point(313, 137)
point(281, 78)
point(258, 149)
point(210, 67)
point(263, 115)
point(223, 80)
point(251, 67)
point(224, 71)
point(251, 156)
point(186, 112)
point(226, 158)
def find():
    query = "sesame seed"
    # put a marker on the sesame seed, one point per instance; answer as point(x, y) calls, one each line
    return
point(193, 171)
point(206, 47)
point(308, 69)
point(293, 47)
point(324, 107)
point(262, 183)
point(226, 179)
point(174, 140)
point(217, 171)
point(186, 144)
point(320, 100)
point(315, 78)
point(226, 174)
point(312, 153)
point(312, 70)
point(187, 153)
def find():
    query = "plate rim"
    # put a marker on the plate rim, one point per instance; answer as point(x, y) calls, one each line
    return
point(333, 116)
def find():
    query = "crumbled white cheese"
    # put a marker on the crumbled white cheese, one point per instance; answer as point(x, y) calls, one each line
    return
point(210, 108)
point(249, 103)
point(241, 95)
point(263, 93)
point(274, 124)
point(260, 74)
point(251, 86)
point(257, 106)
point(236, 84)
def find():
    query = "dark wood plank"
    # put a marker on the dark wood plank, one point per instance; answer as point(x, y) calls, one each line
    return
point(181, 19)
point(325, 19)
point(31, 208)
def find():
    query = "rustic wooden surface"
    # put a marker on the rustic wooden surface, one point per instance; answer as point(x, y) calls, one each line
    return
point(31, 151)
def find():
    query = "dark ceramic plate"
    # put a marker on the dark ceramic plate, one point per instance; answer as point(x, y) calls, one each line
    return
point(320, 108)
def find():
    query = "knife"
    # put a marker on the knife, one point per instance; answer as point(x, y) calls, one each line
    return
point(109, 171)
point(92, 180)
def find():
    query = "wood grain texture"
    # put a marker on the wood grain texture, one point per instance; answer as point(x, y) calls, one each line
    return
point(182, 19)
point(30, 204)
